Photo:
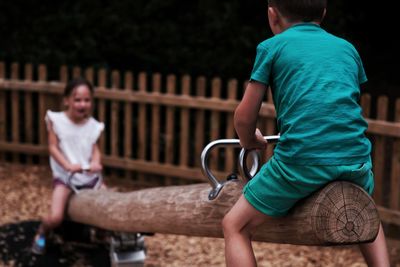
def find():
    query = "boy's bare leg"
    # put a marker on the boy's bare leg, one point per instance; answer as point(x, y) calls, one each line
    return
point(237, 225)
point(376, 253)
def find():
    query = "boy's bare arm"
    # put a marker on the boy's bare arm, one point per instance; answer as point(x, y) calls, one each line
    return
point(246, 115)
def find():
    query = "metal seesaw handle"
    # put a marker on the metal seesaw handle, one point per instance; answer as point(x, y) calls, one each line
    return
point(76, 189)
point(244, 171)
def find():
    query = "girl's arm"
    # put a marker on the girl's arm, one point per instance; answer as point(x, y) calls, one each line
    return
point(246, 114)
point(56, 153)
point(95, 163)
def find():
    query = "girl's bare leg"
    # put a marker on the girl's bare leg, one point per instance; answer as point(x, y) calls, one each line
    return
point(57, 210)
point(237, 226)
point(376, 253)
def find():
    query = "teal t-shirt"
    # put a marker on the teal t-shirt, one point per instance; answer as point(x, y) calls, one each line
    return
point(315, 79)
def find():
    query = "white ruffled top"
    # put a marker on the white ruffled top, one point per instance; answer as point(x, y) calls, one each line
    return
point(76, 143)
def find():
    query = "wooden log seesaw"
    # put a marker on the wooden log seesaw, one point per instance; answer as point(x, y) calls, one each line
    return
point(341, 213)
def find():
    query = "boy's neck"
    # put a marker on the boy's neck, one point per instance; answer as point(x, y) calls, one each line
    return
point(280, 23)
point(286, 24)
point(303, 22)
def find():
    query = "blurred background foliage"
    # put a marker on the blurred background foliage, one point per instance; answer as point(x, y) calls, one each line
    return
point(199, 37)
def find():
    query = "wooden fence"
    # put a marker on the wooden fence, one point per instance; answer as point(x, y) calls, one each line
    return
point(157, 126)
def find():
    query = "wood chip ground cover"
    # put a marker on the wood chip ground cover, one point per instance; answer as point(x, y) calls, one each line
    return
point(25, 196)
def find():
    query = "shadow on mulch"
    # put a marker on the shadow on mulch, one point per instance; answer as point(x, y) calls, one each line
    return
point(66, 247)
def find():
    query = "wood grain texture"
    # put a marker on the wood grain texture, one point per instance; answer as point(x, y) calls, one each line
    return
point(340, 213)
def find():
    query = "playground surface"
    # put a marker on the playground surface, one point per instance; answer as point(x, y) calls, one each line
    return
point(25, 195)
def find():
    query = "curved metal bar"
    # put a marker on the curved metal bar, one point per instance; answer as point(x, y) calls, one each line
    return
point(76, 190)
point(215, 184)
point(243, 169)
point(246, 174)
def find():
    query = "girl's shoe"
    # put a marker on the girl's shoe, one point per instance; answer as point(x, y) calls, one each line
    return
point(39, 245)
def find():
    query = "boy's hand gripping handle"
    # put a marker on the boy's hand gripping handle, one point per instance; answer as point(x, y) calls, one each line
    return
point(244, 171)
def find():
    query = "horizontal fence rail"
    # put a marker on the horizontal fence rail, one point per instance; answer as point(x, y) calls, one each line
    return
point(157, 125)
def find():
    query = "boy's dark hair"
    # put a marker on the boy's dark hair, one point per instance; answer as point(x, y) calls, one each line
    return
point(72, 84)
point(300, 10)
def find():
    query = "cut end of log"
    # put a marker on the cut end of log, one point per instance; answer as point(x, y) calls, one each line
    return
point(344, 213)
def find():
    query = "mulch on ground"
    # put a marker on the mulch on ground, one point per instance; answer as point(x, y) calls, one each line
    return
point(25, 193)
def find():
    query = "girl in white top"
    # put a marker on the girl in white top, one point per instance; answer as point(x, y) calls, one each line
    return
point(72, 138)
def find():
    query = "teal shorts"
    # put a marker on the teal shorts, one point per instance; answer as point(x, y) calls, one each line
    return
point(278, 185)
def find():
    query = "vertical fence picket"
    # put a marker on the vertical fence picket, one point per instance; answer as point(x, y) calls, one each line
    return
point(2, 109)
point(128, 87)
point(64, 80)
point(128, 117)
point(215, 121)
point(379, 152)
point(14, 71)
point(2, 70)
point(64, 74)
point(366, 105)
point(101, 107)
point(170, 126)
point(76, 72)
point(42, 106)
point(155, 121)
point(114, 136)
point(142, 124)
point(28, 109)
point(15, 107)
point(184, 126)
point(230, 129)
point(395, 173)
point(28, 72)
point(200, 119)
point(89, 75)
